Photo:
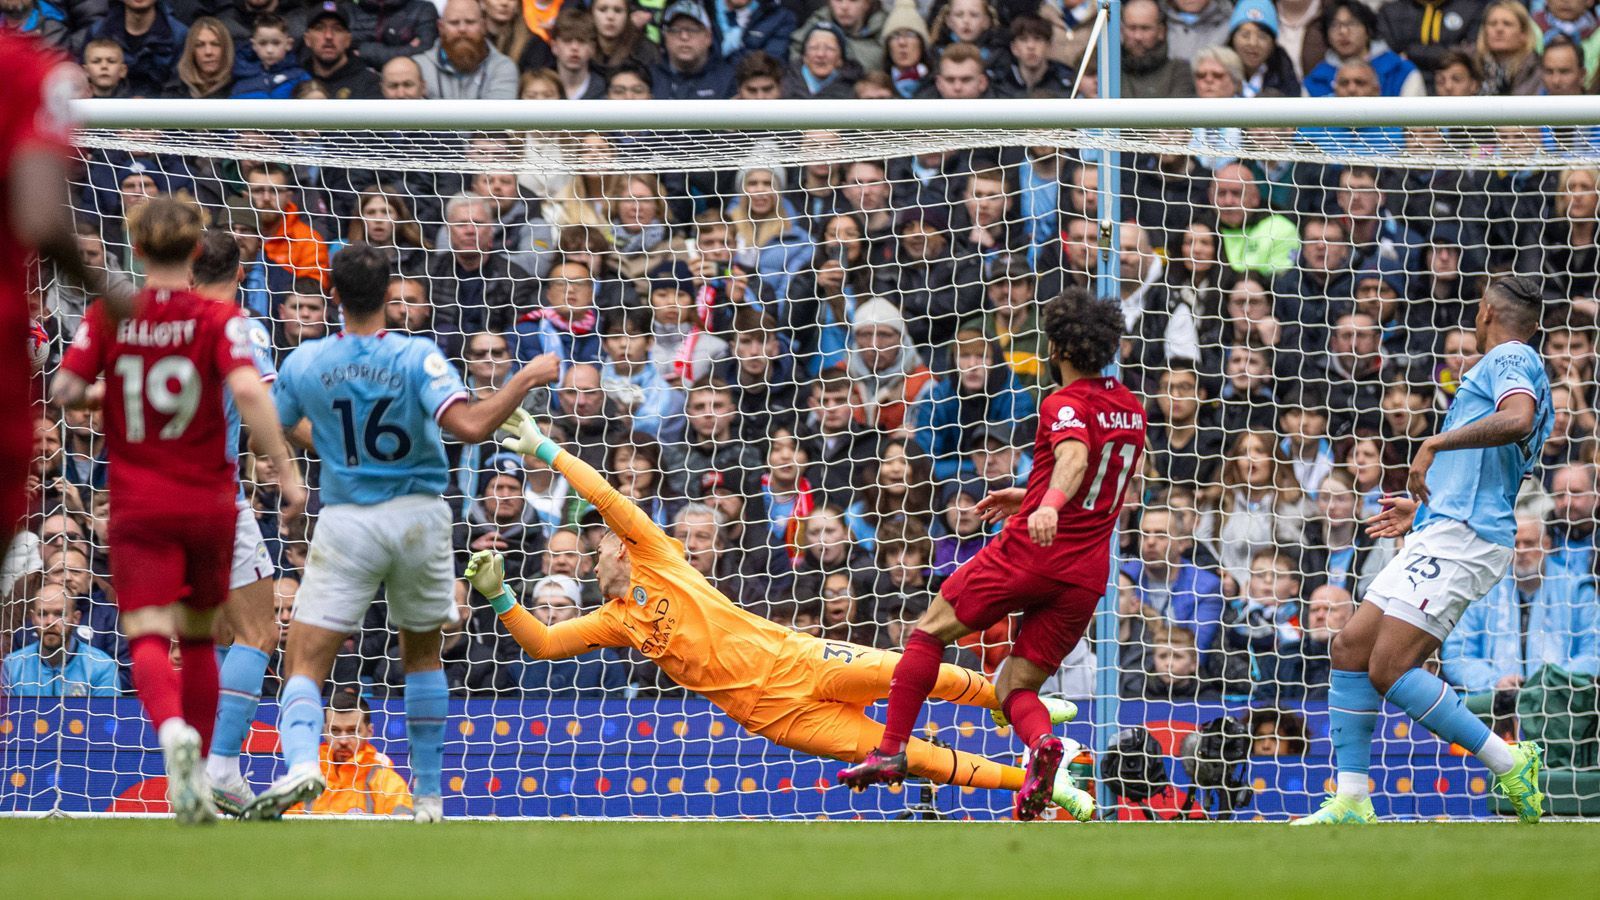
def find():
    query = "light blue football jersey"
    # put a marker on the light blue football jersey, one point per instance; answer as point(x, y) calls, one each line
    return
point(373, 401)
point(261, 351)
point(1479, 486)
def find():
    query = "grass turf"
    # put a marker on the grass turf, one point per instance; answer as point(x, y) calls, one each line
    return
point(133, 858)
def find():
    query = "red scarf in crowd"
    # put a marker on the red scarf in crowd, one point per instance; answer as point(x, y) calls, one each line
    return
point(804, 505)
point(582, 326)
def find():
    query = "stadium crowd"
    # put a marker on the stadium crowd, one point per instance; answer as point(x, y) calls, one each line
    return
point(811, 375)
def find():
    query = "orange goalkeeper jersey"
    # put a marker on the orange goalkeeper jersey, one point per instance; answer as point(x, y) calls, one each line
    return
point(671, 614)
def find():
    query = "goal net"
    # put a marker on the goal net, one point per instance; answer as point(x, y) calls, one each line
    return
point(807, 352)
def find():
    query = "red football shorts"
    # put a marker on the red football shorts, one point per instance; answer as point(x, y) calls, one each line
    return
point(157, 560)
point(1054, 613)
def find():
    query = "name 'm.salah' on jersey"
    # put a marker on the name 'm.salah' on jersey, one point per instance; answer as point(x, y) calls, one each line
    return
point(1109, 420)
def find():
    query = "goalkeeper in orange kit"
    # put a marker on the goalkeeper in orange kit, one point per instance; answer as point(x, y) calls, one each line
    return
point(796, 690)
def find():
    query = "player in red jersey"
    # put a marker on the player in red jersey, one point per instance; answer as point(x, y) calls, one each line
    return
point(1051, 560)
point(171, 478)
point(35, 150)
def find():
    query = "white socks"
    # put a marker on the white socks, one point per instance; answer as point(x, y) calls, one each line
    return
point(1496, 754)
point(1353, 784)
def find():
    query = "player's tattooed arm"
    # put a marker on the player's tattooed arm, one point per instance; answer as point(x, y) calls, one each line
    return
point(1512, 422)
point(1072, 459)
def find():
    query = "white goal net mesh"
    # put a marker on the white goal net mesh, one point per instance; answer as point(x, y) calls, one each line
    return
point(807, 355)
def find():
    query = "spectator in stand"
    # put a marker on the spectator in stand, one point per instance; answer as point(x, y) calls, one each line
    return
point(1164, 584)
point(205, 67)
point(761, 373)
point(905, 45)
point(329, 60)
point(1276, 733)
point(634, 381)
point(1194, 25)
point(1159, 333)
point(1173, 671)
point(620, 41)
point(1253, 34)
point(566, 323)
point(932, 288)
point(39, 18)
point(406, 308)
point(1185, 443)
point(758, 77)
point(689, 70)
point(1569, 442)
point(747, 26)
point(1329, 609)
point(574, 45)
point(302, 317)
point(402, 80)
point(389, 29)
point(899, 486)
point(709, 446)
point(1253, 239)
point(1357, 79)
point(463, 65)
point(1539, 615)
point(1305, 446)
point(984, 224)
point(1575, 19)
point(823, 71)
point(56, 664)
point(960, 75)
point(288, 240)
point(959, 532)
point(1409, 416)
point(1352, 36)
point(1149, 68)
point(593, 421)
point(557, 599)
point(1261, 506)
point(1567, 255)
point(474, 285)
point(106, 70)
point(1032, 73)
point(786, 496)
point(859, 21)
point(500, 518)
point(1572, 518)
point(280, 72)
point(840, 448)
point(684, 350)
point(635, 466)
point(974, 23)
point(508, 31)
point(151, 38)
point(1319, 289)
point(1425, 31)
point(983, 390)
point(1262, 638)
point(882, 359)
point(763, 226)
point(640, 231)
point(1366, 464)
point(1507, 50)
point(361, 780)
point(1218, 74)
point(384, 220)
point(1338, 551)
point(1379, 238)
point(1459, 75)
point(900, 592)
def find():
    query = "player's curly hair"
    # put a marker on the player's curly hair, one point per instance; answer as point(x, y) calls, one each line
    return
point(1087, 331)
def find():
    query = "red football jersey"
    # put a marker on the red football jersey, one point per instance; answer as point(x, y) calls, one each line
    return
point(34, 115)
point(166, 432)
point(1107, 417)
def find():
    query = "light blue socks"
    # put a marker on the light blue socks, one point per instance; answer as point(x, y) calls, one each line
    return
point(427, 705)
point(300, 721)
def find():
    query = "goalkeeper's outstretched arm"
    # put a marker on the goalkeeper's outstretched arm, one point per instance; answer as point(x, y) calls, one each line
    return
point(486, 572)
point(628, 521)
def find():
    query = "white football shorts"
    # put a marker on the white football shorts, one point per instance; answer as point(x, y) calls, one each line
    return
point(402, 545)
point(1443, 569)
point(251, 562)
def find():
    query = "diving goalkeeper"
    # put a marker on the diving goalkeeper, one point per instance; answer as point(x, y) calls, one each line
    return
point(796, 690)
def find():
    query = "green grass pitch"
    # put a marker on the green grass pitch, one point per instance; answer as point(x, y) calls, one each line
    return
point(290, 860)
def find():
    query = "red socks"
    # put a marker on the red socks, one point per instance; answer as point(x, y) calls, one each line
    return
point(1029, 718)
point(201, 686)
point(914, 677)
point(165, 695)
point(154, 678)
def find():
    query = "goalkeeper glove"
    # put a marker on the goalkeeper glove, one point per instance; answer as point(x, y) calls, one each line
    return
point(486, 573)
point(527, 439)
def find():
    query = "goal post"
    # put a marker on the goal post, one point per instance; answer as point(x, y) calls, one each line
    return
point(803, 335)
